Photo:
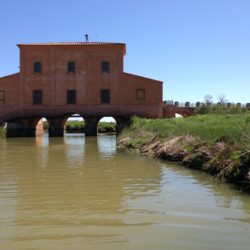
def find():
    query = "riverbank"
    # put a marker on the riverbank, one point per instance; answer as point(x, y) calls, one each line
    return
point(216, 143)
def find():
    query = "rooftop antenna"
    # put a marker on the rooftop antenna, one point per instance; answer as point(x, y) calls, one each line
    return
point(87, 37)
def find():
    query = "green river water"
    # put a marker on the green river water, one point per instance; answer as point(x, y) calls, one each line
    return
point(83, 193)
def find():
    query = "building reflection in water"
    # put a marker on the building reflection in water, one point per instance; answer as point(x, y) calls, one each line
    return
point(106, 146)
point(42, 144)
point(84, 174)
point(74, 149)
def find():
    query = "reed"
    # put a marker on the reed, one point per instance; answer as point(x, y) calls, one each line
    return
point(208, 127)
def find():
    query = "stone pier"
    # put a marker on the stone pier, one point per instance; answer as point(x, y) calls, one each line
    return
point(56, 127)
point(91, 126)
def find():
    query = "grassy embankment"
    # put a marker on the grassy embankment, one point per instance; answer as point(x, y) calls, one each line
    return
point(218, 143)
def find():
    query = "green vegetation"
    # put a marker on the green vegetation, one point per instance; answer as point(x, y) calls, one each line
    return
point(107, 127)
point(79, 126)
point(2, 132)
point(218, 143)
point(209, 127)
point(74, 127)
point(45, 125)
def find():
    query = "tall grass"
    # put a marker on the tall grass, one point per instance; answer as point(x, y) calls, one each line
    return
point(208, 127)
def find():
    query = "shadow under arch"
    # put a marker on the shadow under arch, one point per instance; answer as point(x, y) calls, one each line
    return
point(91, 124)
point(22, 127)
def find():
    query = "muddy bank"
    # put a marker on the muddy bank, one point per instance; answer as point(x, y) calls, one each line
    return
point(220, 158)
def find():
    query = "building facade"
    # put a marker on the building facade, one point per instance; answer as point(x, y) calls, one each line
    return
point(57, 80)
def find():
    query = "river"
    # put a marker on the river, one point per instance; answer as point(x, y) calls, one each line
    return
point(83, 193)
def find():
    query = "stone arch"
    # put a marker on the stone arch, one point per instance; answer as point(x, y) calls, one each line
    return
point(26, 127)
point(121, 122)
point(74, 123)
point(109, 123)
point(42, 125)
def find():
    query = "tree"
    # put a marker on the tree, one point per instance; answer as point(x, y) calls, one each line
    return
point(208, 99)
point(222, 99)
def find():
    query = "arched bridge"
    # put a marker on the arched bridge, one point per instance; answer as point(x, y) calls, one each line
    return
point(24, 124)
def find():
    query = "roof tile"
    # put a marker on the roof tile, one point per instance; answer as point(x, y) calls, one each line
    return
point(70, 43)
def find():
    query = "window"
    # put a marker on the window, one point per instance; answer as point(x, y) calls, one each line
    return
point(2, 96)
point(140, 94)
point(71, 96)
point(37, 67)
point(105, 96)
point(105, 67)
point(71, 67)
point(37, 97)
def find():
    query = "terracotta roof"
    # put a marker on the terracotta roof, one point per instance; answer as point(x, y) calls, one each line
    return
point(75, 44)
point(71, 43)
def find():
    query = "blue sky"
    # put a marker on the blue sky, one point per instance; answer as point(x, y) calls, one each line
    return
point(196, 47)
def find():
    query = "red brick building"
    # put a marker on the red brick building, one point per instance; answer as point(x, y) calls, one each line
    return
point(57, 80)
